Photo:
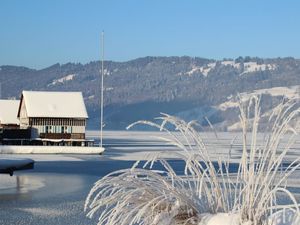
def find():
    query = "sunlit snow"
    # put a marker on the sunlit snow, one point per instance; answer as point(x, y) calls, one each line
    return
point(63, 79)
point(287, 92)
point(248, 67)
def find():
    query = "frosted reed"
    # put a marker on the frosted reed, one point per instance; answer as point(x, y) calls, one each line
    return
point(151, 197)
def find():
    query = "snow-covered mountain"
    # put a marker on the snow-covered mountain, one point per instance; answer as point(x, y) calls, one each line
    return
point(192, 88)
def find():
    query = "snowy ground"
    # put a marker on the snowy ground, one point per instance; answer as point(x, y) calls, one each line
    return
point(36, 149)
point(54, 192)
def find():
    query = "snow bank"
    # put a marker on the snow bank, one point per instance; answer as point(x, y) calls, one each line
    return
point(6, 163)
point(220, 219)
point(282, 217)
point(52, 158)
point(28, 149)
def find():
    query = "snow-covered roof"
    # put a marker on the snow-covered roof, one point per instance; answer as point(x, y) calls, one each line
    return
point(54, 104)
point(9, 111)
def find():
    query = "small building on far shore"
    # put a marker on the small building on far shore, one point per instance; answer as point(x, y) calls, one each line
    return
point(10, 132)
point(8, 114)
point(54, 118)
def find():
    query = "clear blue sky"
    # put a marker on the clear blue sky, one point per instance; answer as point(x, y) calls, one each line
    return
point(39, 33)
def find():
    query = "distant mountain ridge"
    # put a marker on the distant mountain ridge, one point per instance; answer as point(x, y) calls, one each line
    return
point(190, 87)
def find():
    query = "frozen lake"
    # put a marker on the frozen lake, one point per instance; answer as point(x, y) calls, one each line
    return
point(54, 192)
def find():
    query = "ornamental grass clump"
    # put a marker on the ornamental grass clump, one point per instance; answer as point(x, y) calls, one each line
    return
point(207, 193)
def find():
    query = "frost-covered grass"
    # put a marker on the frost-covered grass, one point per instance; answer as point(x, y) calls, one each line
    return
point(206, 194)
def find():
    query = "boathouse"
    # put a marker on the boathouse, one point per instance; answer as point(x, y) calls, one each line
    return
point(54, 118)
point(10, 132)
point(8, 114)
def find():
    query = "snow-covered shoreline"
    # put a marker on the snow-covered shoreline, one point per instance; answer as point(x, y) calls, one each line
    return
point(30, 149)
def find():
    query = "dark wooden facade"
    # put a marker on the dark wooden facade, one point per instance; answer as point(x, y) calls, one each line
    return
point(56, 122)
point(62, 136)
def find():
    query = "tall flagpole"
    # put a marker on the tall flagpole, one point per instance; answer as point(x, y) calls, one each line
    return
point(102, 75)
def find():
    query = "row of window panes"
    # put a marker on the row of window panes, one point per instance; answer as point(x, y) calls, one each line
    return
point(57, 129)
point(57, 122)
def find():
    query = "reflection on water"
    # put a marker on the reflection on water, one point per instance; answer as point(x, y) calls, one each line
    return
point(18, 187)
point(41, 186)
point(54, 198)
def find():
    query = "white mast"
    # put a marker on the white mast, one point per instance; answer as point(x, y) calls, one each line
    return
point(102, 75)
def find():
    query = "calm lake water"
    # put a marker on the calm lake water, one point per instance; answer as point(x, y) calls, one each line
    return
point(54, 192)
